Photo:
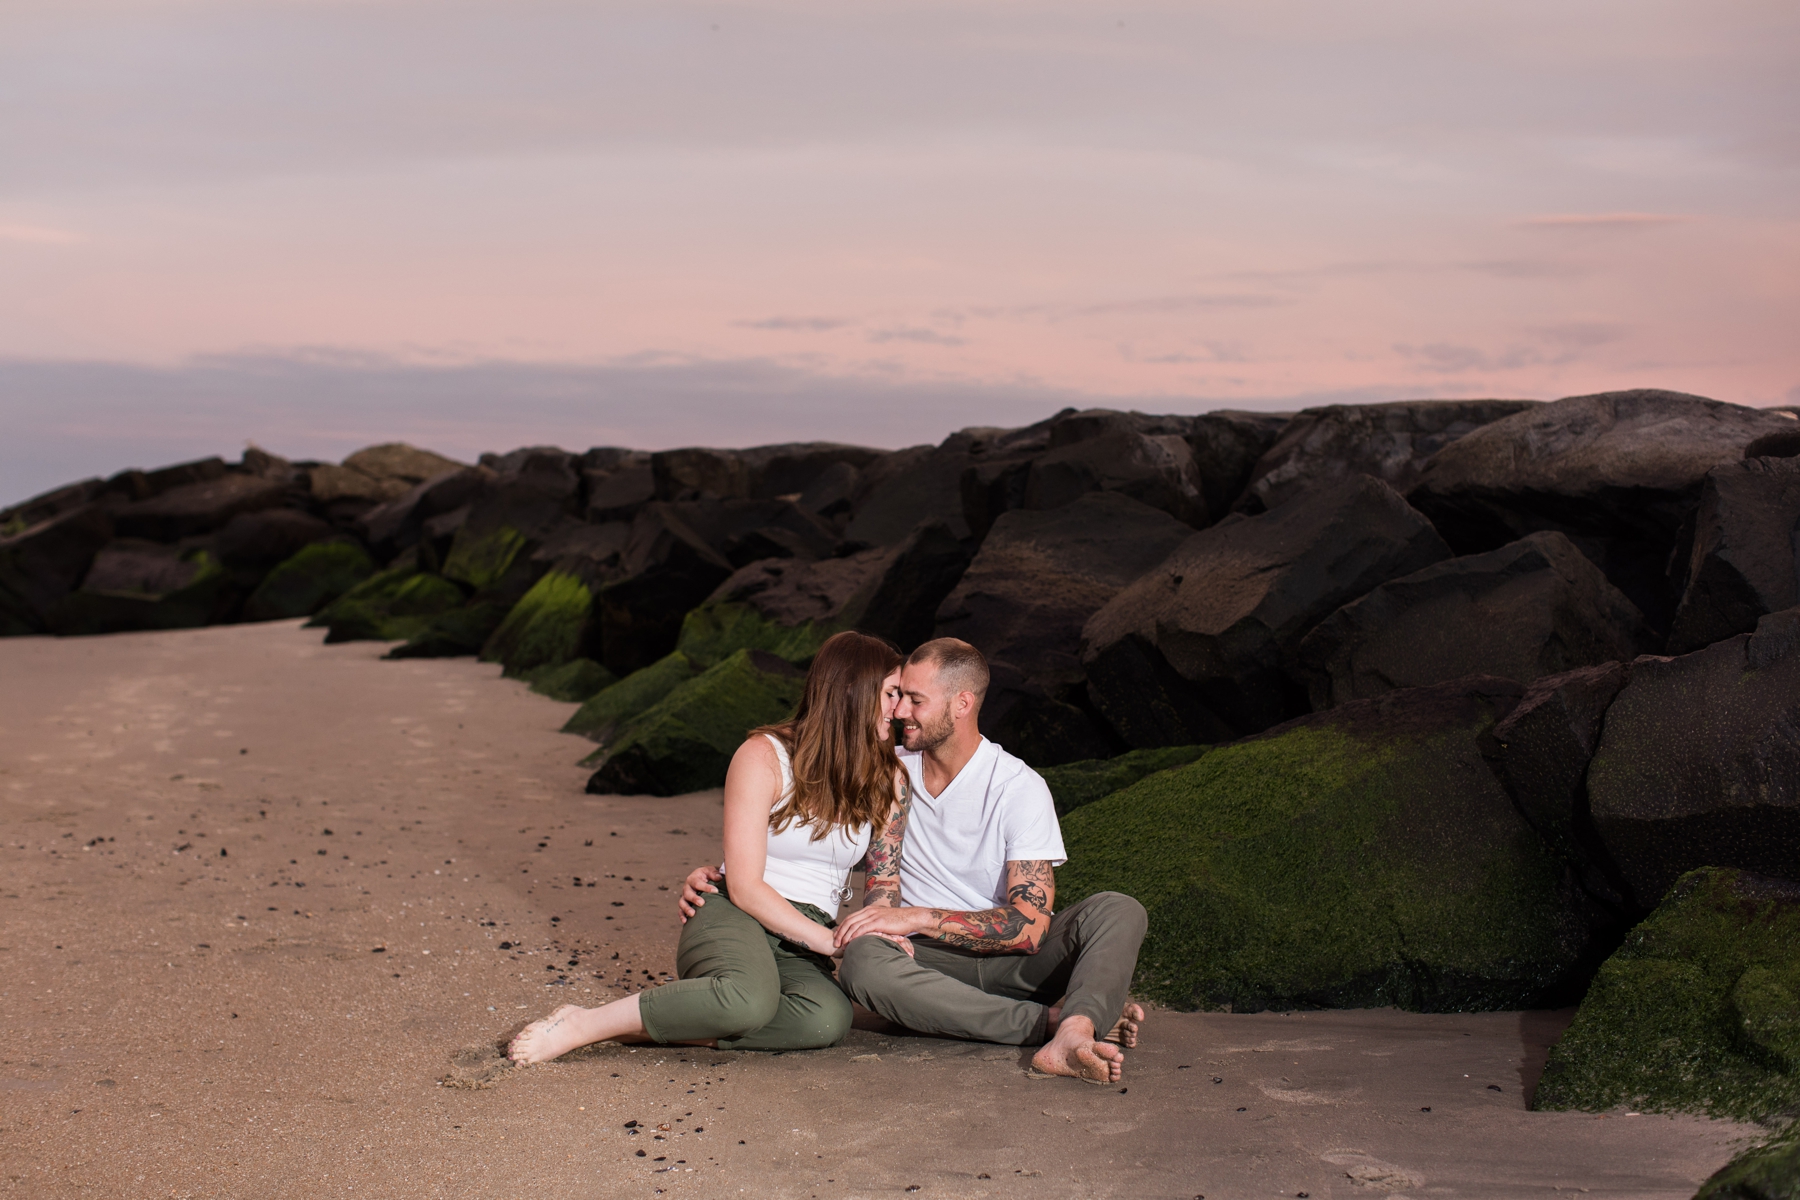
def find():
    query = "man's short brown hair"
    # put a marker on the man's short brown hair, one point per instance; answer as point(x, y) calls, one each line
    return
point(958, 663)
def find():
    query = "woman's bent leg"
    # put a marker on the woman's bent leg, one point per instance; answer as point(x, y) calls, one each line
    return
point(812, 1012)
point(571, 1027)
point(729, 983)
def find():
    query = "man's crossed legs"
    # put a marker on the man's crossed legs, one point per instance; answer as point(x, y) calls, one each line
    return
point(1086, 959)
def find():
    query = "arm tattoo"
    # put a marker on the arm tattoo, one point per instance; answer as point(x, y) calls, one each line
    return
point(1013, 928)
point(882, 863)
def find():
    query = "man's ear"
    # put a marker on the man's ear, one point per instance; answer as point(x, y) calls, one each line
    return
point(965, 705)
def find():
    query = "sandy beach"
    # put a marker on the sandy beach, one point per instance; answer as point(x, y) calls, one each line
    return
point(269, 907)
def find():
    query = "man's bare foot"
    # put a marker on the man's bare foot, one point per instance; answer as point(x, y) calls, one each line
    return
point(1074, 1052)
point(552, 1037)
point(1123, 1033)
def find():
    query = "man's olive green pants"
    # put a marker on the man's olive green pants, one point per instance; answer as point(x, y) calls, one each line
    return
point(746, 987)
point(1086, 959)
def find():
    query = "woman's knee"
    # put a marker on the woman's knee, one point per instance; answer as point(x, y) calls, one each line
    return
point(745, 1003)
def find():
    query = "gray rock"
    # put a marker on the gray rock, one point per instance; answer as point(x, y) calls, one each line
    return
point(399, 524)
point(197, 508)
point(257, 541)
point(1023, 602)
point(1618, 472)
point(1389, 441)
point(1743, 562)
point(1532, 608)
point(666, 569)
point(1699, 762)
point(1200, 648)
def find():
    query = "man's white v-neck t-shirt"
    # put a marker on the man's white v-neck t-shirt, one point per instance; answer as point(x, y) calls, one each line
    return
point(957, 845)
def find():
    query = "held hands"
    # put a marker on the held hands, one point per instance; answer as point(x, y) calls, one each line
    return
point(894, 924)
point(700, 879)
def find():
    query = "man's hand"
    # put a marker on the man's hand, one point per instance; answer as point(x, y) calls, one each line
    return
point(895, 924)
point(699, 880)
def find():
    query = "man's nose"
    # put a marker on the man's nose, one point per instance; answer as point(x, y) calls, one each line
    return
point(902, 708)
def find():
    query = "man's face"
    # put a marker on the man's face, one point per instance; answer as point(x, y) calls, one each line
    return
point(924, 711)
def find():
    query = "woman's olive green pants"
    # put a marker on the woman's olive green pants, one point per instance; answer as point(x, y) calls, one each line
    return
point(746, 987)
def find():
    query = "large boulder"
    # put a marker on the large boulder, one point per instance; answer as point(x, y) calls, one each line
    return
point(132, 485)
point(743, 531)
point(759, 473)
point(1389, 441)
point(1077, 784)
point(1743, 562)
point(1699, 762)
point(453, 633)
point(313, 577)
point(199, 508)
point(1201, 647)
point(492, 551)
point(254, 542)
point(552, 624)
point(17, 518)
point(442, 501)
point(1227, 445)
point(1360, 857)
point(1534, 607)
point(1769, 1171)
point(1540, 754)
point(1156, 469)
point(1618, 472)
point(374, 475)
point(604, 712)
point(41, 563)
point(685, 741)
point(789, 606)
point(667, 569)
point(974, 473)
point(1024, 599)
point(135, 584)
point(1698, 1011)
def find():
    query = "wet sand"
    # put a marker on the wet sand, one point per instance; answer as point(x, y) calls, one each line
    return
point(268, 907)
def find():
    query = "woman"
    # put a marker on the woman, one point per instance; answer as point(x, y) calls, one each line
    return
point(801, 800)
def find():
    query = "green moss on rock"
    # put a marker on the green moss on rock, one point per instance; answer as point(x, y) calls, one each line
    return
point(717, 630)
point(484, 560)
point(391, 606)
point(576, 681)
point(1361, 857)
point(546, 628)
point(311, 579)
point(685, 741)
point(611, 707)
point(1696, 1012)
point(453, 633)
point(1080, 783)
point(1767, 1172)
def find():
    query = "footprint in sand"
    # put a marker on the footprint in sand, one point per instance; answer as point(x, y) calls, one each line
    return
point(477, 1067)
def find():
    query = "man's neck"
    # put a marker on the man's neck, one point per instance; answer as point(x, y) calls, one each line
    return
point(941, 764)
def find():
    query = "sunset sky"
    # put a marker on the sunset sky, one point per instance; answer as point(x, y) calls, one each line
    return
point(316, 224)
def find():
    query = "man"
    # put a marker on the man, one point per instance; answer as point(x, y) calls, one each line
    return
point(975, 950)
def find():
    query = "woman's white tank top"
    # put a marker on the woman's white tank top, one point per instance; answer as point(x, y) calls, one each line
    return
point(805, 871)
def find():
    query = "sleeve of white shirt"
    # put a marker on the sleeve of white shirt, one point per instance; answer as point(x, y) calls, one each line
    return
point(1032, 830)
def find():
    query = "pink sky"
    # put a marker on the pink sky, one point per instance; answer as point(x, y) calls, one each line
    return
point(1243, 203)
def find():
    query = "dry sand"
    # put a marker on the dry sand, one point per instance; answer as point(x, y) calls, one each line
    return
point(255, 895)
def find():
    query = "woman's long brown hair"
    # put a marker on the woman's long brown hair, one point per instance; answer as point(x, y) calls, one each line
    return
point(843, 765)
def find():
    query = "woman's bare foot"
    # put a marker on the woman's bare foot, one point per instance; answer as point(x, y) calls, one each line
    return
point(1075, 1053)
point(552, 1037)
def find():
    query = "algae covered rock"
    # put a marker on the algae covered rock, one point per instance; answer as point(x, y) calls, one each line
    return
point(1360, 857)
point(552, 624)
point(453, 633)
point(572, 682)
point(44, 561)
point(391, 606)
point(617, 703)
point(685, 741)
point(136, 585)
point(1075, 784)
point(312, 578)
point(1696, 1012)
point(1767, 1172)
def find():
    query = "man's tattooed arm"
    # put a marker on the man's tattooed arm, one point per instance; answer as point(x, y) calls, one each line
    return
point(1015, 928)
point(881, 883)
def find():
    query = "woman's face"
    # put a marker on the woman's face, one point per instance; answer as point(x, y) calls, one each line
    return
point(890, 697)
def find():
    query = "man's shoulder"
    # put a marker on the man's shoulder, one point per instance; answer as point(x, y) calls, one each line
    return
point(1013, 774)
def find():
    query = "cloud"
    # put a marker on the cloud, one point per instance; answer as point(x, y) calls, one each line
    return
point(1175, 304)
point(928, 337)
point(38, 234)
point(800, 324)
point(1611, 220)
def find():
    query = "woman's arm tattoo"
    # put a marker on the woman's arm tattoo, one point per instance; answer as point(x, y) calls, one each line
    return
point(882, 863)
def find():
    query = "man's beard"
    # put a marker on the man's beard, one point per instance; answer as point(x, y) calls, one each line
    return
point(929, 737)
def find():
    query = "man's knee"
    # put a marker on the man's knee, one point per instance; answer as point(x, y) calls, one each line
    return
point(867, 959)
point(1120, 912)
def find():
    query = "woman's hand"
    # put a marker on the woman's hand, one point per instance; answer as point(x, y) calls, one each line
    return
point(699, 880)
